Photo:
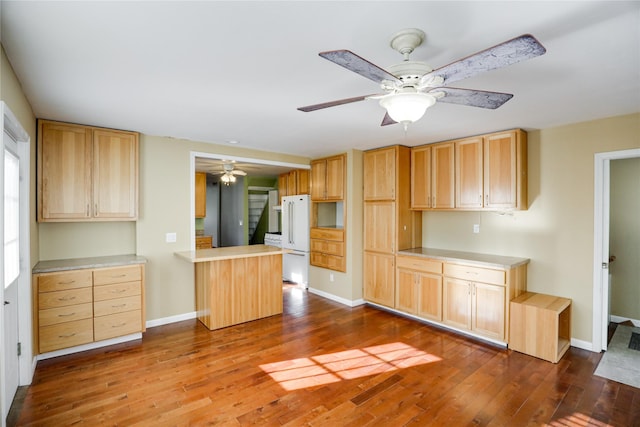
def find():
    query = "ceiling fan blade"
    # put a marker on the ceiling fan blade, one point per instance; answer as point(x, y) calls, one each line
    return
point(472, 98)
point(334, 103)
point(357, 64)
point(387, 120)
point(510, 52)
point(238, 172)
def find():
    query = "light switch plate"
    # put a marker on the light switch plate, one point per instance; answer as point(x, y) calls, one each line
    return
point(476, 228)
point(170, 237)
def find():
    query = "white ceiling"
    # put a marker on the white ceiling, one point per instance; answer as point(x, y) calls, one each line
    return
point(219, 71)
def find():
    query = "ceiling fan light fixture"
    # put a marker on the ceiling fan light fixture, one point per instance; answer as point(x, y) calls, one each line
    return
point(407, 107)
point(227, 179)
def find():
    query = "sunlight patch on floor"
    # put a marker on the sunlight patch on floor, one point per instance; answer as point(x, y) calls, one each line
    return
point(333, 367)
point(578, 420)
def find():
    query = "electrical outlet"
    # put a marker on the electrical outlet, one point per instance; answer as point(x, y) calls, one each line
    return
point(170, 237)
point(331, 277)
point(476, 228)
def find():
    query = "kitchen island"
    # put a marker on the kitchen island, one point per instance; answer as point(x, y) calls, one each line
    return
point(236, 284)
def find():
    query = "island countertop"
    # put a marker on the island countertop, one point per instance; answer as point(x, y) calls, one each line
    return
point(230, 252)
point(480, 259)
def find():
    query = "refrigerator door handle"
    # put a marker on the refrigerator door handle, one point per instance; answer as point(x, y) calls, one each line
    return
point(295, 254)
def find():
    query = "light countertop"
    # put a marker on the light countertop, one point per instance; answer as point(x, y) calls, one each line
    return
point(480, 259)
point(230, 252)
point(82, 263)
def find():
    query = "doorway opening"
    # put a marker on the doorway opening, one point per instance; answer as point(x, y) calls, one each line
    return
point(601, 254)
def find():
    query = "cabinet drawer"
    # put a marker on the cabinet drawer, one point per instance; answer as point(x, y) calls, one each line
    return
point(69, 313)
point(331, 262)
point(117, 275)
point(419, 264)
point(118, 305)
point(328, 247)
point(118, 290)
point(336, 234)
point(475, 274)
point(116, 325)
point(65, 335)
point(64, 298)
point(204, 242)
point(64, 281)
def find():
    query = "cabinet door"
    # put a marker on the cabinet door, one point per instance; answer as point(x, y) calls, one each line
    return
point(379, 278)
point(64, 172)
point(292, 183)
point(442, 176)
point(201, 195)
point(421, 178)
point(318, 179)
point(283, 181)
point(500, 170)
point(303, 181)
point(335, 178)
point(429, 304)
point(489, 310)
point(379, 226)
point(379, 174)
point(115, 170)
point(468, 179)
point(457, 303)
point(406, 291)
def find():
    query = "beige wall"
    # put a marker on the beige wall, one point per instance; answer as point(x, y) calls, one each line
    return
point(347, 286)
point(165, 179)
point(11, 93)
point(624, 237)
point(556, 232)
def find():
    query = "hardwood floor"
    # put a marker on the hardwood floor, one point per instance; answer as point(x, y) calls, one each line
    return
point(322, 364)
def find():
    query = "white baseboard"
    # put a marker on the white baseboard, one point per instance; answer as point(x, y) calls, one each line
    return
point(619, 319)
point(584, 345)
point(332, 297)
point(171, 319)
point(90, 346)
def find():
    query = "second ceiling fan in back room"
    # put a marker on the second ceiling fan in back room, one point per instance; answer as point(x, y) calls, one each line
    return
point(410, 87)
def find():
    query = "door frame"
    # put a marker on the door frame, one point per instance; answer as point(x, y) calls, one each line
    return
point(601, 198)
point(26, 361)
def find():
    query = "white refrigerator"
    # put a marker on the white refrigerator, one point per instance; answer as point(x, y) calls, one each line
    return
point(295, 236)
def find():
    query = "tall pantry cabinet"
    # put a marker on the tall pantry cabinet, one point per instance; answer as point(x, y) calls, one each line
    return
point(389, 223)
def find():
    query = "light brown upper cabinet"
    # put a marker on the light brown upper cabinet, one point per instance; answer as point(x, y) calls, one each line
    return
point(433, 176)
point(327, 178)
point(86, 173)
point(491, 171)
point(293, 183)
point(201, 195)
point(379, 175)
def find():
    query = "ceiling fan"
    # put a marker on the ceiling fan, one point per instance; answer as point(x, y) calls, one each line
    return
point(229, 173)
point(410, 87)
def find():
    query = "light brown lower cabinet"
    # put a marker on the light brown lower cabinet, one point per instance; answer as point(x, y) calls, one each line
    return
point(379, 278)
point(419, 287)
point(463, 296)
point(78, 307)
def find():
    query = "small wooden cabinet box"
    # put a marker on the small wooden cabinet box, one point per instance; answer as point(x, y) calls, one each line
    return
point(540, 325)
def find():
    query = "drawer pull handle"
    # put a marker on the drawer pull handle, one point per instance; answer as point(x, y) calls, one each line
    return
point(118, 291)
point(117, 276)
point(68, 282)
point(472, 272)
point(119, 306)
point(67, 335)
point(67, 315)
point(119, 325)
point(66, 298)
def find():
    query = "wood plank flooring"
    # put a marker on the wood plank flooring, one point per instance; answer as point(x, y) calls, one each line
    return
point(321, 364)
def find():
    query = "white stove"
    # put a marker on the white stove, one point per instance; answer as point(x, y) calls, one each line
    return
point(273, 239)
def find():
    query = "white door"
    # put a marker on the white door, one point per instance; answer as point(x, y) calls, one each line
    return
point(11, 269)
